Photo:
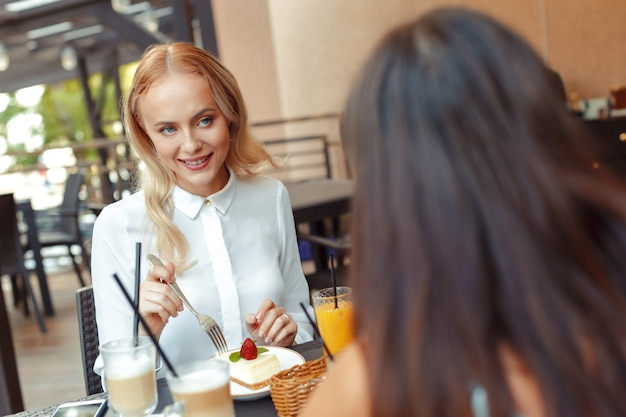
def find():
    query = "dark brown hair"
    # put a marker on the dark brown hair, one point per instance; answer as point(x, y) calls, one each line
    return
point(479, 220)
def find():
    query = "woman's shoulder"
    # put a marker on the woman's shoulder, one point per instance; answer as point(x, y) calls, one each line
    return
point(345, 387)
point(131, 206)
point(522, 383)
point(259, 180)
point(260, 184)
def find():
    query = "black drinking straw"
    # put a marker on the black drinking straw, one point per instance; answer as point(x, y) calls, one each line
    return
point(137, 279)
point(332, 277)
point(317, 331)
point(145, 325)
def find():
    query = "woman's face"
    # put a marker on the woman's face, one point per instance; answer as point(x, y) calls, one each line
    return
point(188, 130)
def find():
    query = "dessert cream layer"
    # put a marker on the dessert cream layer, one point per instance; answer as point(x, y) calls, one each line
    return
point(256, 373)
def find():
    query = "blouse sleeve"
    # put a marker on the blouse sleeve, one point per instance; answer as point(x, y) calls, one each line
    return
point(112, 253)
point(296, 286)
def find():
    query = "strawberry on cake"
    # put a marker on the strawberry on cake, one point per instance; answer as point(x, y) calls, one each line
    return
point(252, 366)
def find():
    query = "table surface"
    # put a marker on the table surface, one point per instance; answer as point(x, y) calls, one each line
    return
point(263, 407)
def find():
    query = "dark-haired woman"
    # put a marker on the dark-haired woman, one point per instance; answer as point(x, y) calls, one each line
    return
point(489, 255)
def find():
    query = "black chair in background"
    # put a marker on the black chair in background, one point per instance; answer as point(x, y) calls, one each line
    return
point(88, 331)
point(60, 226)
point(12, 257)
point(27, 218)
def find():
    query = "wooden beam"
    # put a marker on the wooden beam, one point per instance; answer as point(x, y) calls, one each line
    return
point(182, 21)
point(126, 26)
point(46, 15)
point(204, 12)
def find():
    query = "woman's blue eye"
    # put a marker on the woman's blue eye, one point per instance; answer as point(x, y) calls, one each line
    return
point(167, 130)
point(205, 121)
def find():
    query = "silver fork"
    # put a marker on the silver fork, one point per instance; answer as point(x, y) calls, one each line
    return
point(209, 325)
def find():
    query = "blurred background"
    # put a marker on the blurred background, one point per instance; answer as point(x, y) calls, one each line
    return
point(65, 63)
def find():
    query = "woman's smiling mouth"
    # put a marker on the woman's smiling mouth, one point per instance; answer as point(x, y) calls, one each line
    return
point(195, 163)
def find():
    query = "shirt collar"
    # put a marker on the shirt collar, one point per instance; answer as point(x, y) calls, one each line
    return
point(191, 204)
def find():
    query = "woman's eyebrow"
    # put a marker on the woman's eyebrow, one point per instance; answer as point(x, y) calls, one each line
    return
point(205, 110)
point(198, 114)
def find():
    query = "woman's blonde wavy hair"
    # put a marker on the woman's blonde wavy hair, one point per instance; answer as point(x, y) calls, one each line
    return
point(245, 156)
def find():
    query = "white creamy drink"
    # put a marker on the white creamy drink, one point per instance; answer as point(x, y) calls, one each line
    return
point(132, 386)
point(130, 378)
point(203, 390)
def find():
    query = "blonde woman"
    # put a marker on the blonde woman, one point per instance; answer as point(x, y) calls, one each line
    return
point(225, 234)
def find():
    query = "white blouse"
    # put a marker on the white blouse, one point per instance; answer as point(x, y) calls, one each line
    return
point(243, 241)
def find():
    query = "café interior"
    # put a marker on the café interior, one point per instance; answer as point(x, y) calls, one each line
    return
point(295, 62)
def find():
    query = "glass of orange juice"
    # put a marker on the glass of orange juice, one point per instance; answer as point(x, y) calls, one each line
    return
point(335, 317)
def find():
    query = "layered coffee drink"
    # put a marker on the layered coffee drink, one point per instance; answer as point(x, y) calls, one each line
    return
point(209, 400)
point(130, 376)
point(132, 389)
point(202, 389)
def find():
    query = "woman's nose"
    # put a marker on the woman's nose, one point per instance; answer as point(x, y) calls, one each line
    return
point(190, 142)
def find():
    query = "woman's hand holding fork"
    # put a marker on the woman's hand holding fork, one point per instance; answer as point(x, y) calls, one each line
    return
point(157, 301)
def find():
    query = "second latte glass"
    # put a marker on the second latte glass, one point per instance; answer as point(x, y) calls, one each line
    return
point(201, 389)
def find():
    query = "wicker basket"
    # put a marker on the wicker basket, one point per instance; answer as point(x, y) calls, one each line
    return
point(290, 388)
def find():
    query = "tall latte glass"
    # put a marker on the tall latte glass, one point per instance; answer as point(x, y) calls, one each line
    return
point(200, 389)
point(130, 376)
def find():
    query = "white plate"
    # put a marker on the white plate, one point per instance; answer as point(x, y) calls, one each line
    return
point(287, 358)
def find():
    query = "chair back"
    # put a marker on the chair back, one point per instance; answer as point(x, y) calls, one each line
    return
point(304, 158)
point(11, 252)
point(10, 391)
point(28, 217)
point(88, 331)
point(71, 203)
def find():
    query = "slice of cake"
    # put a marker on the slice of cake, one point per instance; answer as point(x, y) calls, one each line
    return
point(252, 367)
point(255, 373)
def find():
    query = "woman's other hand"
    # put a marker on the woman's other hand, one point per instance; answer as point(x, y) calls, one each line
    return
point(271, 325)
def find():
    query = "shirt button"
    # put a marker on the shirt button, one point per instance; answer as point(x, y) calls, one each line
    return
point(207, 202)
